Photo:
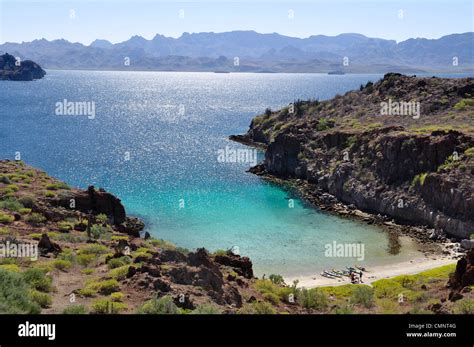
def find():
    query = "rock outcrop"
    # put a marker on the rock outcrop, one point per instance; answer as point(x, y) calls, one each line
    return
point(416, 170)
point(464, 275)
point(17, 70)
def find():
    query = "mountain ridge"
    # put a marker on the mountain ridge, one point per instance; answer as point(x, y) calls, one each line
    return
point(256, 52)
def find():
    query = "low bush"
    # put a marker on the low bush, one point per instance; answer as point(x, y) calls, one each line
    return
point(464, 306)
point(75, 309)
point(38, 279)
point(6, 218)
point(119, 273)
point(14, 295)
point(42, 299)
point(35, 218)
point(206, 309)
point(94, 248)
point(62, 264)
point(85, 259)
point(105, 306)
point(312, 298)
point(164, 305)
point(11, 204)
point(118, 262)
point(364, 296)
point(116, 297)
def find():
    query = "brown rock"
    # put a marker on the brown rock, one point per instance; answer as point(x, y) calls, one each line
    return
point(45, 245)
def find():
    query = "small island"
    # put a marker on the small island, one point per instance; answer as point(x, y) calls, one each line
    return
point(16, 70)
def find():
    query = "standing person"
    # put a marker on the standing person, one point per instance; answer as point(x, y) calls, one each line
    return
point(360, 277)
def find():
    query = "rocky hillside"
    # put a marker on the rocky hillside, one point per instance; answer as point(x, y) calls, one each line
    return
point(402, 147)
point(26, 70)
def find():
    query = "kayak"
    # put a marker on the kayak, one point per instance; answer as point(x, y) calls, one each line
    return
point(361, 268)
point(342, 273)
point(332, 273)
point(328, 276)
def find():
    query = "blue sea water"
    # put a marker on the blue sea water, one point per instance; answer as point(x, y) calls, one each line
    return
point(154, 143)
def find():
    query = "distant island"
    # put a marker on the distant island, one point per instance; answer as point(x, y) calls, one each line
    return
point(249, 51)
point(17, 70)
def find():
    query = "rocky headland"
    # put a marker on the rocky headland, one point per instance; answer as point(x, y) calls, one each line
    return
point(13, 70)
point(398, 152)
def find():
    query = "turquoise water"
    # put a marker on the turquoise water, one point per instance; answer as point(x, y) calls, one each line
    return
point(171, 126)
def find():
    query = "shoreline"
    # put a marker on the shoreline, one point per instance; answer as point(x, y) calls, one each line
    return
point(410, 267)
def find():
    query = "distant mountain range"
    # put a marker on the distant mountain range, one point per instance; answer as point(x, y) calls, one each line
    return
point(253, 52)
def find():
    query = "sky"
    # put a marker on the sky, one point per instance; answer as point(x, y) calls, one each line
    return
point(117, 21)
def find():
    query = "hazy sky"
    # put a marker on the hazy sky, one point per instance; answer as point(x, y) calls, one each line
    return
point(117, 21)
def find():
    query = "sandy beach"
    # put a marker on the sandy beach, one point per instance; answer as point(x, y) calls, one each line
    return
point(375, 273)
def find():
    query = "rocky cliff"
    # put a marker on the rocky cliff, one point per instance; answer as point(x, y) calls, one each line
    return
point(13, 70)
point(415, 166)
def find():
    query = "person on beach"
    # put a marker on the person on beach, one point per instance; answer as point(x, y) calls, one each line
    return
point(360, 277)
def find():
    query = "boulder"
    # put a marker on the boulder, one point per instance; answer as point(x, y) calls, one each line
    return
point(242, 265)
point(45, 245)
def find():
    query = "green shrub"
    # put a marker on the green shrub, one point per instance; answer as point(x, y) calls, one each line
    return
point(419, 179)
point(94, 248)
point(13, 187)
point(162, 244)
point(464, 306)
point(57, 186)
point(105, 287)
point(277, 279)
point(75, 309)
point(387, 288)
point(258, 307)
point(42, 299)
point(206, 309)
point(119, 273)
point(38, 279)
point(105, 306)
point(11, 204)
point(118, 262)
point(164, 305)
point(10, 267)
point(4, 179)
point(464, 104)
point(344, 309)
point(35, 218)
point(65, 226)
point(14, 295)
point(101, 218)
point(62, 264)
point(273, 298)
point(85, 259)
point(98, 231)
point(116, 297)
point(312, 298)
point(24, 211)
point(49, 194)
point(363, 295)
point(6, 218)
point(27, 201)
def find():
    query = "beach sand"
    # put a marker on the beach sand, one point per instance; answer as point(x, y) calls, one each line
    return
point(375, 273)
